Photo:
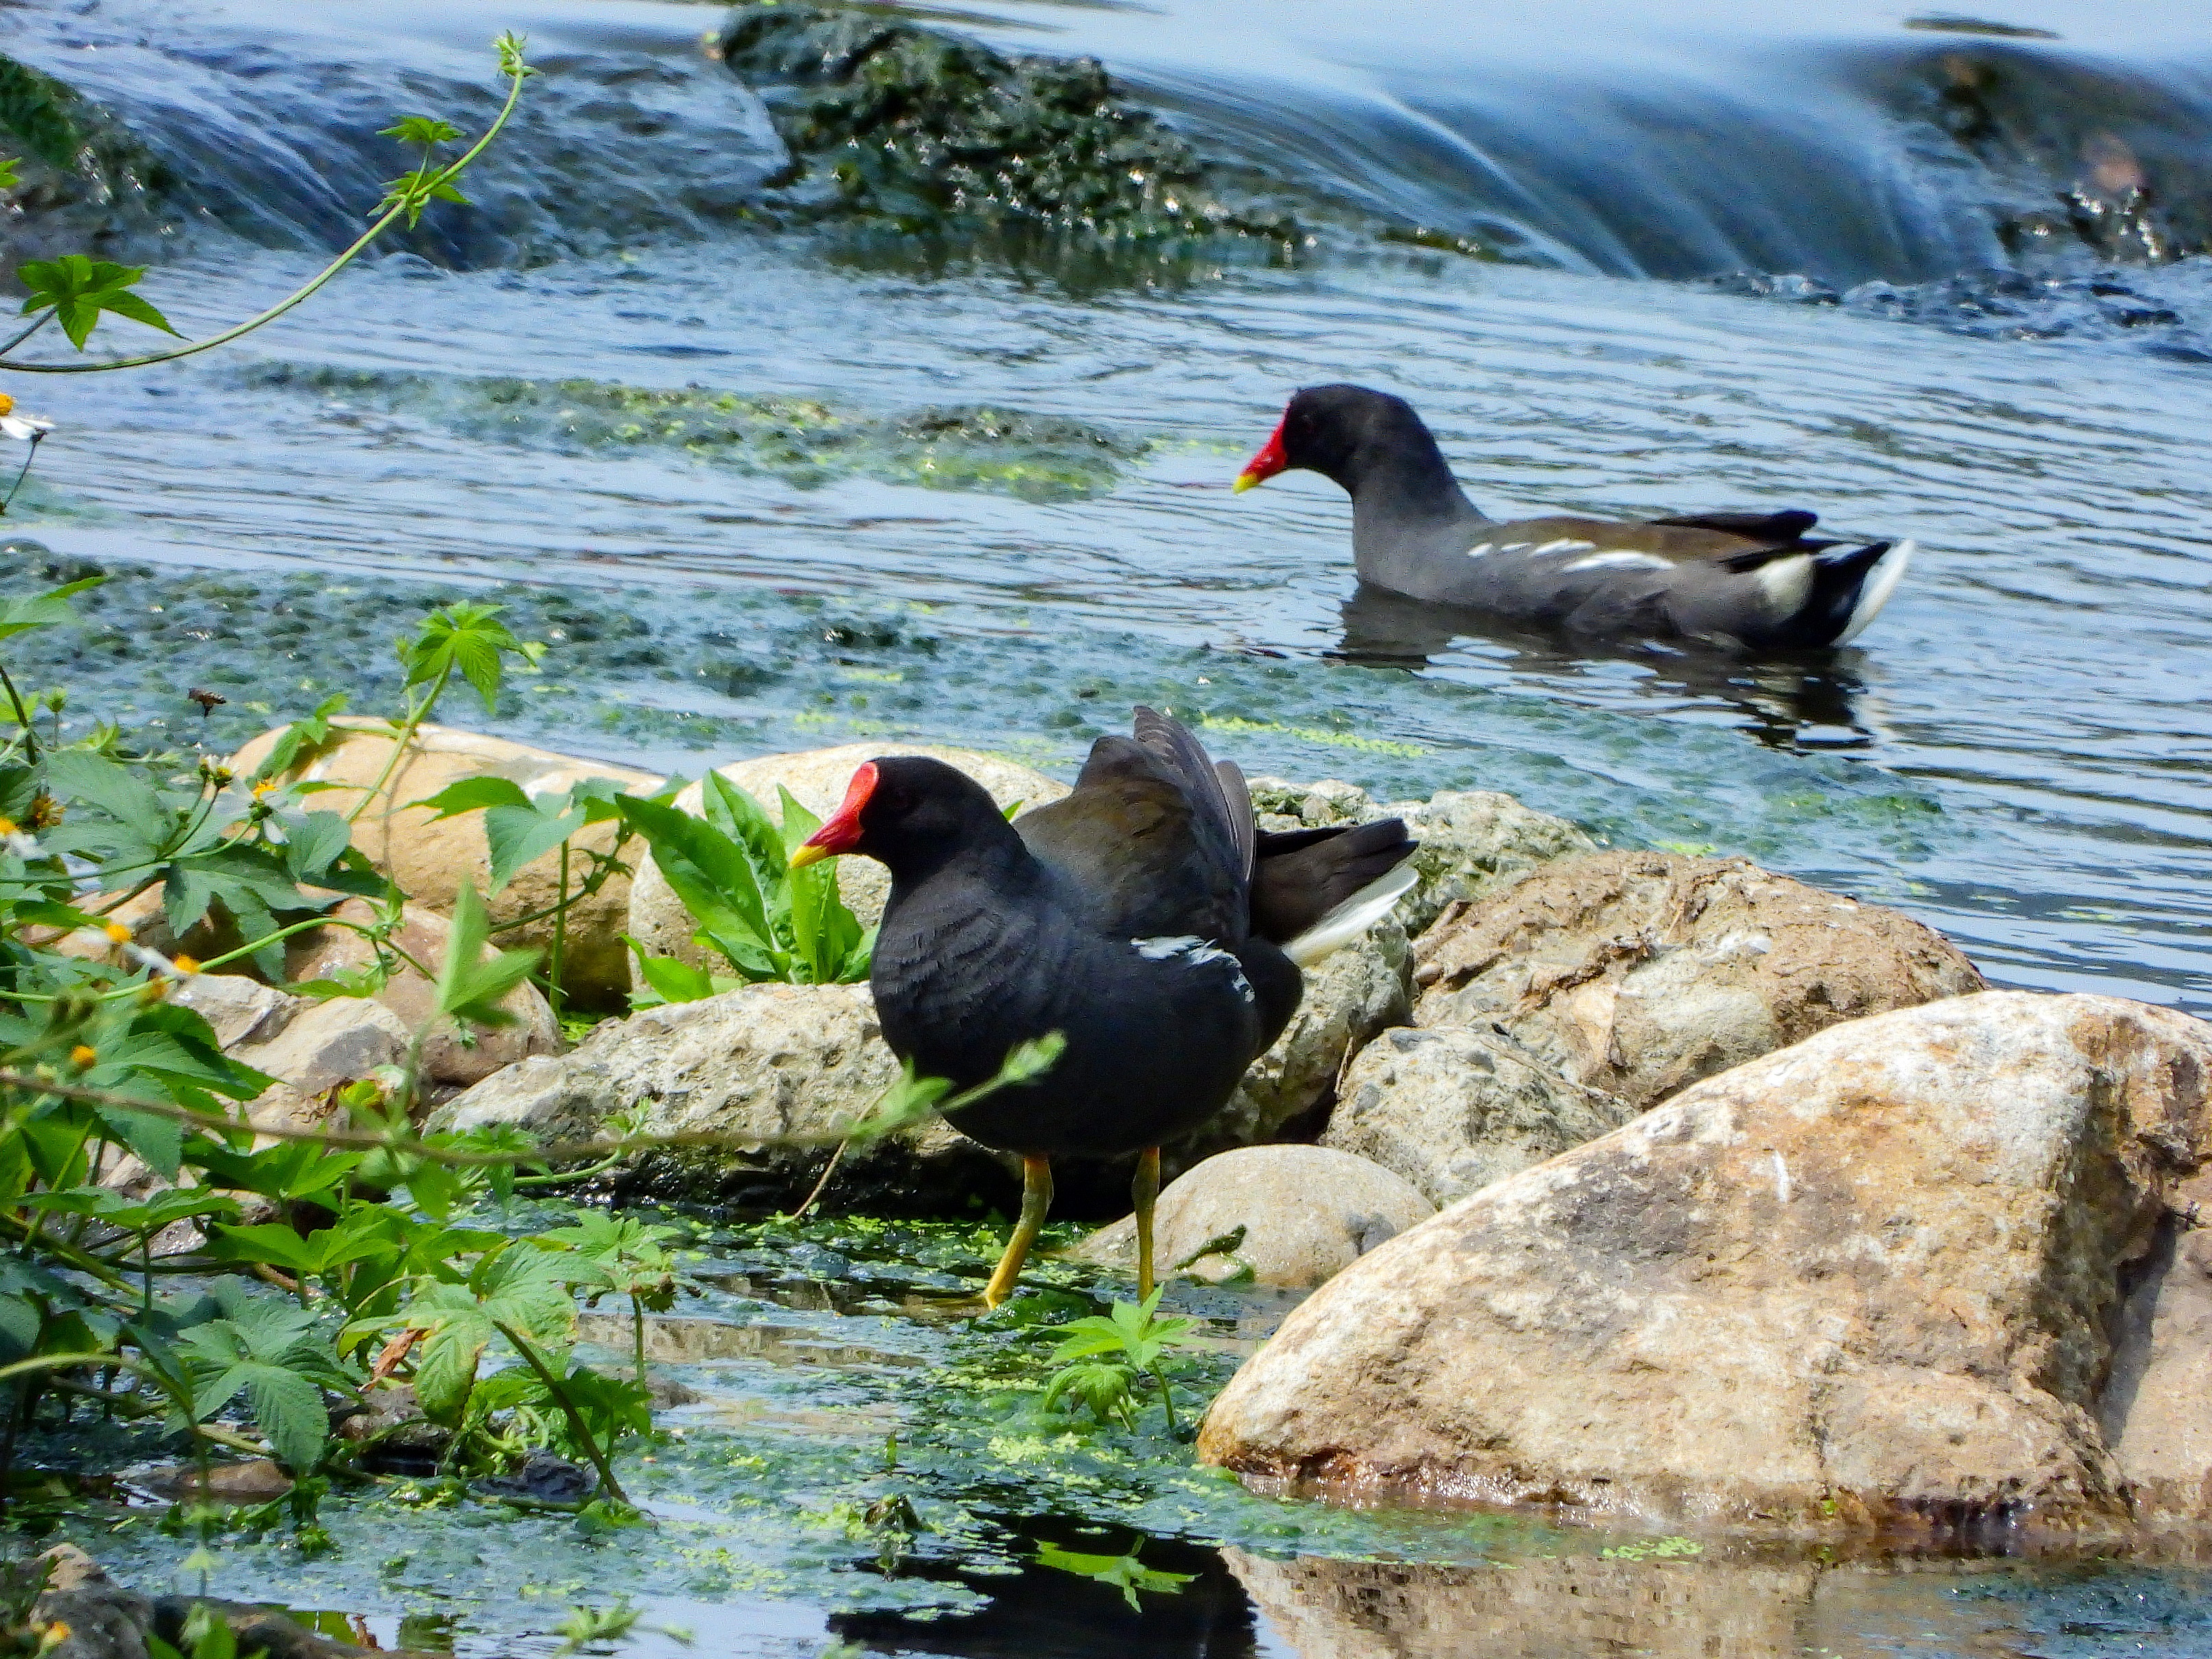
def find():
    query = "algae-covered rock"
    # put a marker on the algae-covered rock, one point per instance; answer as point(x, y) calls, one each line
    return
point(82, 177)
point(921, 131)
point(775, 1073)
point(1472, 842)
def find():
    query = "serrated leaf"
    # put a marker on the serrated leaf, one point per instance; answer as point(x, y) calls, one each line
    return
point(288, 1411)
point(515, 835)
point(474, 795)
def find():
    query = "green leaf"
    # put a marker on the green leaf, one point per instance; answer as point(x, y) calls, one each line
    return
point(470, 986)
point(514, 835)
point(672, 978)
point(474, 795)
point(465, 638)
point(288, 1411)
point(77, 289)
point(43, 609)
point(124, 794)
point(1124, 1572)
point(424, 129)
point(314, 842)
point(713, 876)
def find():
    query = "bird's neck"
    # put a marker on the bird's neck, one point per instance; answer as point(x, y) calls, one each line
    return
point(990, 854)
point(1407, 508)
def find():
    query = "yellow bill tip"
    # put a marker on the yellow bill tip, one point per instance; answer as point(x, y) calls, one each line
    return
point(809, 853)
point(1244, 482)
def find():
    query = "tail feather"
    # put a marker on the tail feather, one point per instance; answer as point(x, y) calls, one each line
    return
point(1305, 881)
point(1876, 584)
point(1352, 918)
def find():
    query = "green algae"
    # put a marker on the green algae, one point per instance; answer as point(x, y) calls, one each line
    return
point(918, 134)
point(909, 1475)
point(675, 676)
point(803, 441)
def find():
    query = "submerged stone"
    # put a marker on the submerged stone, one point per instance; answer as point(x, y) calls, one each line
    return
point(923, 132)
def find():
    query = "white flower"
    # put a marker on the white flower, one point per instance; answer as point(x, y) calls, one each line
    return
point(24, 428)
point(15, 841)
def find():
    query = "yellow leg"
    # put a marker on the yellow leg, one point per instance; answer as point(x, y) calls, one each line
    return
point(1036, 1200)
point(1143, 1190)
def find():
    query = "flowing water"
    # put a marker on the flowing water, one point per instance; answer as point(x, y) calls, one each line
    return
point(1932, 275)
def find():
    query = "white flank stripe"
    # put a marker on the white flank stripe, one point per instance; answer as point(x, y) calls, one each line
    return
point(1480, 550)
point(1352, 918)
point(1196, 950)
point(1787, 583)
point(1873, 593)
point(1565, 545)
point(1623, 559)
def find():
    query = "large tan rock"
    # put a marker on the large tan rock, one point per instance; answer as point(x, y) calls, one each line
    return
point(817, 779)
point(1288, 1216)
point(1639, 973)
point(776, 1073)
point(1453, 1107)
point(1872, 1280)
point(429, 858)
point(1472, 842)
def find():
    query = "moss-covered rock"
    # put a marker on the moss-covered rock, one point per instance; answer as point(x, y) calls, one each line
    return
point(82, 177)
point(925, 133)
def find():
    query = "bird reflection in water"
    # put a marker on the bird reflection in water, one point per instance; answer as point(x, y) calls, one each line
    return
point(1794, 702)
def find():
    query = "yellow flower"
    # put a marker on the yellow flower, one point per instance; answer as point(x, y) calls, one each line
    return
point(117, 931)
point(7, 825)
point(54, 1632)
point(184, 964)
point(7, 405)
point(266, 787)
point(83, 1055)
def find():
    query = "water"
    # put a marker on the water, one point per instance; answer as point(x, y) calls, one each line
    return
point(2017, 752)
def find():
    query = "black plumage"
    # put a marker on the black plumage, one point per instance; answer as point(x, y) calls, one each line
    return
point(1143, 916)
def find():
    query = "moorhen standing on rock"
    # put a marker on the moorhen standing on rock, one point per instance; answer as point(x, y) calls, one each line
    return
point(1144, 916)
point(1738, 580)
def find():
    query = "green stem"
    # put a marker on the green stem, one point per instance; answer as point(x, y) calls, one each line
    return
point(23, 716)
point(1167, 1399)
point(560, 941)
point(377, 228)
point(522, 1345)
point(417, 713)
point(637, 1336)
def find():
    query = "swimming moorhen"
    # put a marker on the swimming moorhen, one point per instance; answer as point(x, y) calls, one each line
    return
point(1144, 916)
point(1750, 581)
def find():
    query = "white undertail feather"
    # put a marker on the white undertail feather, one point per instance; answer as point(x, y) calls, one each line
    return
point(1352, 918)
point(1873, 593)
point(1788, 582)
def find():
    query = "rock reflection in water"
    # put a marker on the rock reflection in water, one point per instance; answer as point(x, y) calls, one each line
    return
point(1532, 1609)
point(704, 1341)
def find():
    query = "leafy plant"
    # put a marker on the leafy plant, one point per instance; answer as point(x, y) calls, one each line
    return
point(1124, 1572)
point(1101, 1358)
point(731, 868)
